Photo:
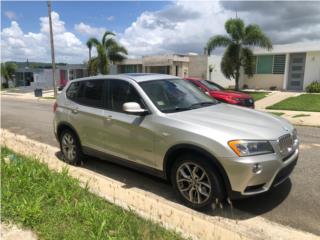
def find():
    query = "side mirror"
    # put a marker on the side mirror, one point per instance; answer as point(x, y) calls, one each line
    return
point(134, 108)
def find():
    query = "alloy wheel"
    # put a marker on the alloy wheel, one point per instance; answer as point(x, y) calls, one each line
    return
point(193, 183)
point(68, 145)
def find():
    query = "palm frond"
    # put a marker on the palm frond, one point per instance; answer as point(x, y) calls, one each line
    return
point(229, 61)
point(255, 37)
point(235, 28)
point(247, 61)
point(107, 35)
point(218, 41)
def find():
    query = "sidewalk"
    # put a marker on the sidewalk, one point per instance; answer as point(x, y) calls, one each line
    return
point(299, 117)
point(273, 98)
point(13, 232)
point(294, 117)
point(26, 93)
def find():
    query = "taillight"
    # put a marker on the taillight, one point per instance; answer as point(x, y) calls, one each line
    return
point(55, 105)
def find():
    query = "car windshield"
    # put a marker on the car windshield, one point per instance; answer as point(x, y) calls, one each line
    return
point(173, 95)
point(211, 85)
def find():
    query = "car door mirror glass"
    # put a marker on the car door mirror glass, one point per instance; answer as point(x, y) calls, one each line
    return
point(133, 108)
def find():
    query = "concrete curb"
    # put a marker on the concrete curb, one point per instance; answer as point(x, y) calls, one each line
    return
point(189, 223)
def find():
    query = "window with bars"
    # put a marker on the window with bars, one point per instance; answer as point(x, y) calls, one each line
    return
point(279, 62)
point(269, 64)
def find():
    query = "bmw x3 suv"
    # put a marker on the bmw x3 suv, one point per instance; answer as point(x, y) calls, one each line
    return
point(166, 126)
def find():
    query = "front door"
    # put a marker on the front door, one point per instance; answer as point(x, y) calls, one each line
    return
point(127, 136)
point(296, 71)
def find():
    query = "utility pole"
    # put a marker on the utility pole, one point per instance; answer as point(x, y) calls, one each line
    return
point(52, 51)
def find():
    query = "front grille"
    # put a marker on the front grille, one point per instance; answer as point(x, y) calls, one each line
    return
point(285, 144)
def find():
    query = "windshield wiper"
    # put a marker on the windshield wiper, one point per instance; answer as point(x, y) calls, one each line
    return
point(202, 104)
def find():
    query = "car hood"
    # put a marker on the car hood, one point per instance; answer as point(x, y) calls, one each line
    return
point(232, 94)
point(233, 122)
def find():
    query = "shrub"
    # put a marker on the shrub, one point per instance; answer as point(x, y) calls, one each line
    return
point(313, 87)
point(4, 85)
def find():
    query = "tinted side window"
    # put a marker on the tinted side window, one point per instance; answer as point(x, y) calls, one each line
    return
point(122, 92)
point(73, 91)
point(91, 93)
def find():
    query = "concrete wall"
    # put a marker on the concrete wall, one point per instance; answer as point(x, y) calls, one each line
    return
point(198, 66)
point(312, 68)
point(264, 81)
point(216, 74)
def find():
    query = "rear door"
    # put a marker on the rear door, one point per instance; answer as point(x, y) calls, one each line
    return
point(127, 135)
point(86, 112)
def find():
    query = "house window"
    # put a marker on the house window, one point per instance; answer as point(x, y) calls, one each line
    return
point(264, 64)
point(279, 62)
point(270, 64)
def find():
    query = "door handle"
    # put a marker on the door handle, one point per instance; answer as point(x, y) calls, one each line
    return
point(108, 118)
point(74, 110)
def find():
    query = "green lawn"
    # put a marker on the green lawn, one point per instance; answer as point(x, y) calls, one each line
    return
point(304, 102)
point(54, 205)
point(257, 95)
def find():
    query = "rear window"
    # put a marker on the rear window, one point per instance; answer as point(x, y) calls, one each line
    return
point(211, 85)
point(88, 93)
point(73, 91)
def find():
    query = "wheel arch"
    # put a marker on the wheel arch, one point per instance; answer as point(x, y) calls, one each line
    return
point(172, 154)
point(65, 125)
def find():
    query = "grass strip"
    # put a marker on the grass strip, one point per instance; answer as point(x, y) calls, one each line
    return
point(301, 115)
point(257, 95)
point(303, 102)
point(55, 206)
point(277, 113)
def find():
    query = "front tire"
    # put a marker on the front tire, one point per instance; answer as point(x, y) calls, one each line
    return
point(196, 182)
point(70, 147)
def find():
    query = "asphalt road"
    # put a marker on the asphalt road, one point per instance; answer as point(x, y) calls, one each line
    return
point(295, 203)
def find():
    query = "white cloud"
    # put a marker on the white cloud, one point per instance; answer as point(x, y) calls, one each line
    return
point(86, 29)
point(183, 27)
point(17, 45)
point(186, 26)
point(10, 15)
point(110, 18)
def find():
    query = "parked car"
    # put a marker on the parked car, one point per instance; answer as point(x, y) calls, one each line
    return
point(166, 126)
point(218, 92)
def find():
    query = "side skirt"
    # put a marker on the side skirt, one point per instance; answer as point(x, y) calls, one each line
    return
point(123, 162)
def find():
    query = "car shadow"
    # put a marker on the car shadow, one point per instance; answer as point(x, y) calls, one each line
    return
point(236, 209)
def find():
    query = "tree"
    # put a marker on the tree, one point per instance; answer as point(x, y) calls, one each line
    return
point(108, 51)
point(8, 69)
point(238, 42)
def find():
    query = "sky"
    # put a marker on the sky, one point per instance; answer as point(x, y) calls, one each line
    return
point(144, 28)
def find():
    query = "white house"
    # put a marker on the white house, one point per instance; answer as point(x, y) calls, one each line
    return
point(289, 67)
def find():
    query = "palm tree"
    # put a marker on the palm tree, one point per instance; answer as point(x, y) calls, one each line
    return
point(238, 42)
point(89, 45)
point(7, 71)
point(108, 51)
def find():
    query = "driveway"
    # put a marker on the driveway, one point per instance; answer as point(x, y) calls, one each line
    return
point(295, 203)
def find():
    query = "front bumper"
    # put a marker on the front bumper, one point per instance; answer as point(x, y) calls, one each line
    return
point(244, 182)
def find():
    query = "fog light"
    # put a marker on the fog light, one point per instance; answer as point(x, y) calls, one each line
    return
point(257, 168)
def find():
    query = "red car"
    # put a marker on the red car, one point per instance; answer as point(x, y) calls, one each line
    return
point(221, 94)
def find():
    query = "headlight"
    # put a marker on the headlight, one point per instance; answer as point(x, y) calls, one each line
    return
point(249, 148)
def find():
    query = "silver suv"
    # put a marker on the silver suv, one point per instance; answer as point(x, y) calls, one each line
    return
point(165, 126)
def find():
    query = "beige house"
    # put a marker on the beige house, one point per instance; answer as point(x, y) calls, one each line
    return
point(286, 67)
point(182, 65)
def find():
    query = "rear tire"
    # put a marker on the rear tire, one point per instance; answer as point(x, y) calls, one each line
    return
point(70, 147)
point(196, 182)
